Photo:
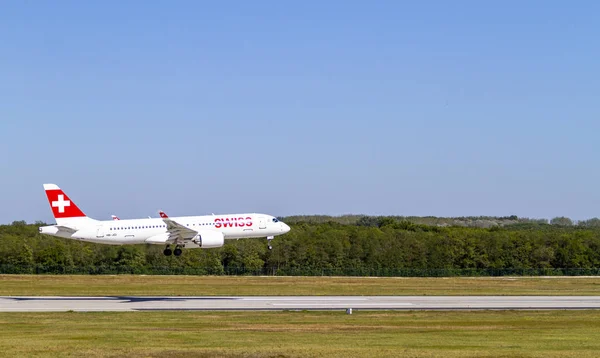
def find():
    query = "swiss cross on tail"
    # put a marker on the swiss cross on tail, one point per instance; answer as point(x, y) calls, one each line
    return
point(62, 206)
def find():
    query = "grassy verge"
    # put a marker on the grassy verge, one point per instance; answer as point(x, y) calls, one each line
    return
point(41, 285)
point(302, 334)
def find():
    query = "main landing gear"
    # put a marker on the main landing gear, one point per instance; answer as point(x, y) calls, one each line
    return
point(176, 252)
point(269, 239)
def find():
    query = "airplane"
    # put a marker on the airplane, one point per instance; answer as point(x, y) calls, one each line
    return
point(188, 232)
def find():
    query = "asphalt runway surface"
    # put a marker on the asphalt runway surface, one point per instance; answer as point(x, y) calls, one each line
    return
point(278, 303)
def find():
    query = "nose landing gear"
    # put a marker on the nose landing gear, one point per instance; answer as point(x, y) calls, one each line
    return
point(269, 239)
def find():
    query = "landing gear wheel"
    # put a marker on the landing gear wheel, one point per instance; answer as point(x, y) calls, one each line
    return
point(167, 252)
point(269, 239)
point(177, 252)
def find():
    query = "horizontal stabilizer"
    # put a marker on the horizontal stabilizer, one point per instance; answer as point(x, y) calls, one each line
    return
point(66, 229)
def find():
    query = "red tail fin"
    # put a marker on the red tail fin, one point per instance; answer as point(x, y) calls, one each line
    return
point(162, 214)
point(61, 205)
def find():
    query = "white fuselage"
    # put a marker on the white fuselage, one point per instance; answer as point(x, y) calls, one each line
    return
point(139, 231)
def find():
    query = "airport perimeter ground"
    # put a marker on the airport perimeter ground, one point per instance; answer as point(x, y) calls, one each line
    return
point(299, 334)
point(140, 285)
point(302, 334)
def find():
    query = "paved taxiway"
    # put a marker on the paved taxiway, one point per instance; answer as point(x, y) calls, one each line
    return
point(137, 303)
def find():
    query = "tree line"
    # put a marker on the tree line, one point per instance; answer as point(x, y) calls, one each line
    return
point(365, 246)
point(467, 221)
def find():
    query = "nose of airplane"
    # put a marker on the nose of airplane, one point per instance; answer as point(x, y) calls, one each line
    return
point(284, 227)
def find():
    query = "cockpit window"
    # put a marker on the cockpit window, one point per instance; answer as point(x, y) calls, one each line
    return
point(275, 220)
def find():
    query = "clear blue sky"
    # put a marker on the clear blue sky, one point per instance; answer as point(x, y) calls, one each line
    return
point(443, 108)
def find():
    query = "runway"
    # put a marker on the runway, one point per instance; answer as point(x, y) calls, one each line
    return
point(137, 303)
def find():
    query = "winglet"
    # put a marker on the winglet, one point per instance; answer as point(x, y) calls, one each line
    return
point(162, 214)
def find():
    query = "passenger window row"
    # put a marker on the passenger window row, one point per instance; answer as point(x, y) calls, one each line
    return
point(150, 226)
point(137, 227)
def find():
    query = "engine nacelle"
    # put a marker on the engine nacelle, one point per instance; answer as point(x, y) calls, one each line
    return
point(207, 240)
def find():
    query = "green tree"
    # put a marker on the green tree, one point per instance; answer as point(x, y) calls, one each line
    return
point(561, 221)
point(593, 223)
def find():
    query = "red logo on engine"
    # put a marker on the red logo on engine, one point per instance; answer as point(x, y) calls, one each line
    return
point(233, 222)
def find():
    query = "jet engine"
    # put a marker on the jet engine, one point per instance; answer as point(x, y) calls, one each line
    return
point(208, 239)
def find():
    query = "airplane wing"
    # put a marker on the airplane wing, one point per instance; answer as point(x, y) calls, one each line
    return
point(177, 232)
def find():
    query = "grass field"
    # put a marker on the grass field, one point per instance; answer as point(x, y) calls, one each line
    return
point(123, 285)
point(302, 334)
